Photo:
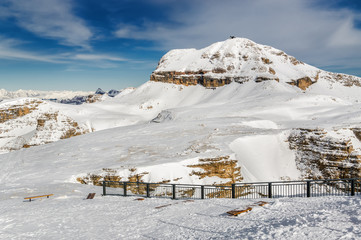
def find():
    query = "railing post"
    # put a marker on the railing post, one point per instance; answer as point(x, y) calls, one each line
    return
point(148, 193)
point(352, 187)
point(173, 191)
point(233, 190)
point(269, 190)
point(125, 188)
point(202, 192)
point(308, 188)
point(104, 188)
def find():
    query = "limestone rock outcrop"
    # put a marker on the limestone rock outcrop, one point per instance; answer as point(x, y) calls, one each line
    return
point(30, 122)
point(191, 78)
point(302, 83)
point(15, 111)
point(54, 126)
point(327, 154)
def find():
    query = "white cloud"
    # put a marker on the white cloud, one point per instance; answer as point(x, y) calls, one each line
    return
point(9, 50)
point(91, 57)
point(50, 19)
point(346, 36)
point(317, 36)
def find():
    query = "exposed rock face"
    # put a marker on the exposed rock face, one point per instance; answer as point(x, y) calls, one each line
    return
point(191, 78)
point(321, 155)
point(92, 98)
point(240, 60)
point(302, 83)
point(266, 78)
point(28, 122)
point(15, 111)
point(78, 100)
point(54, 126)
point(221, 167)
point(100, 91)
point(113, 93)
point(163, 116)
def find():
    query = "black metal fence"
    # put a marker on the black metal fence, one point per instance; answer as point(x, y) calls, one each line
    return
point(307, 188)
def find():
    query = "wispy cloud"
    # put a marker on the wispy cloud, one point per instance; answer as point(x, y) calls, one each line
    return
point(52, 19)
point(318, 36)
point(97, 57)
point(9, 50)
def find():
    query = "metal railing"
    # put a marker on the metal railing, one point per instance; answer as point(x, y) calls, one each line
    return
point(306, 188)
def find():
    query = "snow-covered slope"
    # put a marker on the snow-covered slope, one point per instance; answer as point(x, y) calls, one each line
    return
point(236, 57)
point(253, 130)
point(69, 216)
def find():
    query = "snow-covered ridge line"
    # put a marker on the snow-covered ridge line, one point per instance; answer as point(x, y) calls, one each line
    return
point(4, 94)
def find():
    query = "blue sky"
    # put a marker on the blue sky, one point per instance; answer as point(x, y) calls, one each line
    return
point(86, 44)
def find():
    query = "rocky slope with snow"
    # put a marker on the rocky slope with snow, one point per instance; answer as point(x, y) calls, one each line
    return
point(239, 60)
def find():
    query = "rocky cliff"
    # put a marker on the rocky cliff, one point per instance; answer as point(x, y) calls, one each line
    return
point(30, 122)
point(327, 154)
point(8, 112)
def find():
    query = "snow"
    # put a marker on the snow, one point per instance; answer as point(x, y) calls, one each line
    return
point(190, 123)
point(233, 52)
point(161, 129)
point(71, 217)
point(266, 157)
point(4, 94)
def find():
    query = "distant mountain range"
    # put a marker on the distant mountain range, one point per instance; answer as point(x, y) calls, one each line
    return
point(4, 94)
point(66, 97)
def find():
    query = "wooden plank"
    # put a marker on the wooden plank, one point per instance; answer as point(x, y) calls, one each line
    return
point(90, 196)
point(48, 195)
point(261, 203)
point(185, 201)
point(163, 206)
point(237, 212)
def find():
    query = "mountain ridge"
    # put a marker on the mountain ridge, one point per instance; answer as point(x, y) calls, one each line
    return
point(240, 60)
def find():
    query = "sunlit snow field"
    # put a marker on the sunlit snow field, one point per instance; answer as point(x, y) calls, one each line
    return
point(110, 217)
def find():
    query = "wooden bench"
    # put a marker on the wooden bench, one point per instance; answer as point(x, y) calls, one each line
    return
point(47, 196)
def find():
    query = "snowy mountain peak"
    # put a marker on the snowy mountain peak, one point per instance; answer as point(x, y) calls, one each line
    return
point(240, 60)
point(100, 91)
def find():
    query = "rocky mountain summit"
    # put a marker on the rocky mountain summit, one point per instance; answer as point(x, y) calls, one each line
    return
point(240, 60)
